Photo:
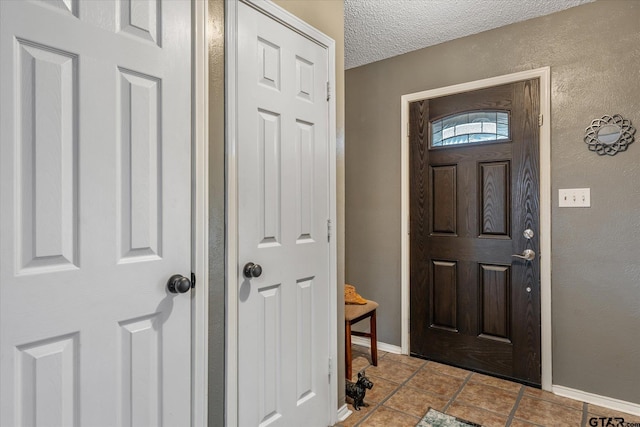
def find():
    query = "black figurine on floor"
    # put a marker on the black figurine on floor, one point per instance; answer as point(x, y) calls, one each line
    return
point(357, 390)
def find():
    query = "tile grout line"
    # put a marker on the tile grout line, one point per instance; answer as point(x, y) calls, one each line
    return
point(510, 418)
point(379, 404)
point(585, 413)
point(368, 415)
point(457, 393)
point(512, 414)
point(403, 383)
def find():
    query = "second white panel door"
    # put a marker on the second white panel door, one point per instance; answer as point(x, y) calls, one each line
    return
point(283, 196)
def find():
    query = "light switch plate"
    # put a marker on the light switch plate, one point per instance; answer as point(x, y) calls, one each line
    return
point(574, 197)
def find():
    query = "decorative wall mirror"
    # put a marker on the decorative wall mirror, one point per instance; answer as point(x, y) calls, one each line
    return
point(609, 135)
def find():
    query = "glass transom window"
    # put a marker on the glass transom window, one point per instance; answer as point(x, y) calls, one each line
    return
point(469, 128)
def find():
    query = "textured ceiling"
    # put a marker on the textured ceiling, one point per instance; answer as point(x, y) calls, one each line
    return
point(379, 29)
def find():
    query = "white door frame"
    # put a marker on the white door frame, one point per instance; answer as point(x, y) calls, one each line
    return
point(231, 125)
point(544, 74)
point(199, 216)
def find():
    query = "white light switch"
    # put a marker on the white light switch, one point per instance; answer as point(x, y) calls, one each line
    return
point(574, 197)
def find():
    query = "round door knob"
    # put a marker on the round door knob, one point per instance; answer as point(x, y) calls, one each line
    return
point(252, 270)
point(178, 284)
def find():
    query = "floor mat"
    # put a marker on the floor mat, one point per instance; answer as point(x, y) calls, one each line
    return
point(435, 418)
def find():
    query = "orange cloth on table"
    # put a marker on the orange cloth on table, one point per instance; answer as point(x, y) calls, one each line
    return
point(351, 296)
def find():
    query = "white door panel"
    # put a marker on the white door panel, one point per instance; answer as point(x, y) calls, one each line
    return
point(95, 186)
point(283, 196)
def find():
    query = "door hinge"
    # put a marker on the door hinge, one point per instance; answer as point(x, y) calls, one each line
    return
point(328, 91)
point(328, 230)
point(408, 130)
point(330, 368)
point(540, 120)
point(193, 280)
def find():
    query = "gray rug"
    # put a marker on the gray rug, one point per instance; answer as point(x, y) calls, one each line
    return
point(435, 418)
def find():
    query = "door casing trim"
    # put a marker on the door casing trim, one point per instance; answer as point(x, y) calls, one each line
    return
point(544, 74)
point(232, 265)
point(199, 216)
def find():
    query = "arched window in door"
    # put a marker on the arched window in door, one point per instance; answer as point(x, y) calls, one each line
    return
point(469, 128)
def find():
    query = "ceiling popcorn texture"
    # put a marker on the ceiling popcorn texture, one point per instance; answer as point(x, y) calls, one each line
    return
point(379, 29)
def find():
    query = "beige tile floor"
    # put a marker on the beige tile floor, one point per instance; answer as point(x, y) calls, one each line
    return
point(405, 387)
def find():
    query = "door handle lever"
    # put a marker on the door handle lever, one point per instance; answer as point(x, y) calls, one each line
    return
point(527, 255)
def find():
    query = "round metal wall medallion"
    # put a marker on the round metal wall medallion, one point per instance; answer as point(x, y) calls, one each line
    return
point(609, 135)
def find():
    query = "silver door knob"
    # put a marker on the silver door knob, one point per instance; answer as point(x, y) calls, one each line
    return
point(527, 255)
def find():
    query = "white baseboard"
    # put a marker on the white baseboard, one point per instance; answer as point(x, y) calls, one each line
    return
point(365, 342)
point(607, 402)
point(344, 412)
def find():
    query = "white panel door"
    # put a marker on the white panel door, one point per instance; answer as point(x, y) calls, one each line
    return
point(95, 214)
point(283, 196)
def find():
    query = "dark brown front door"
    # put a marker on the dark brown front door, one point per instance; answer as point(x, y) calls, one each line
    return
point(474, 192)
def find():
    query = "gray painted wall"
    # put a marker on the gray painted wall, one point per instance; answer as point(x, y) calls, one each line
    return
point(594, 54)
